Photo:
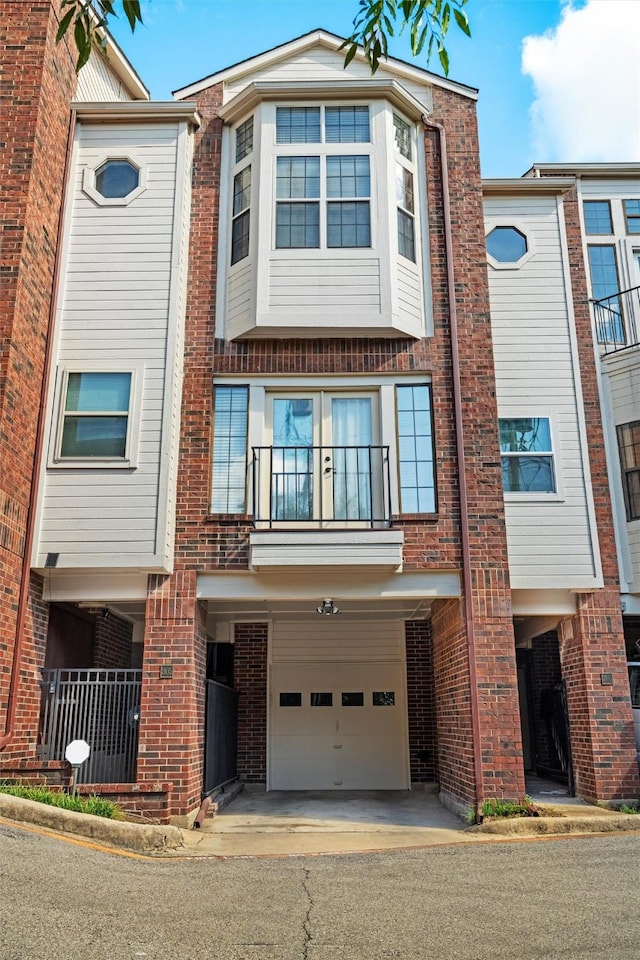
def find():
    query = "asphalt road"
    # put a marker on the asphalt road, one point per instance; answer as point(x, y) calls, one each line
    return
point(568, 899)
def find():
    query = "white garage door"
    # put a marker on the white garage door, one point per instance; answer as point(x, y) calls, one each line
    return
point(338, 726)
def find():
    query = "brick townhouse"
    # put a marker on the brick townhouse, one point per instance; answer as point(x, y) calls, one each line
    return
point(304, 472)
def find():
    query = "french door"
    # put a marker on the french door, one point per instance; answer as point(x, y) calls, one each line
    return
point(323, 463)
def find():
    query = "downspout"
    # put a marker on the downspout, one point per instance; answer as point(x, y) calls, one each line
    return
point(23, 596)
point(462, 476)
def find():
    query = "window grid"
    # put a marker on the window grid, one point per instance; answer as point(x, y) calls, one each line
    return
point(240, 220)
point(405, 201)
point(298, 125)
point(244, 139)
point(230, 449)
point(629, 447)
point(347, 125)
point(527, 455)
point(632, 215)
point(597, 217)
point(415, 449)
point(402, 136)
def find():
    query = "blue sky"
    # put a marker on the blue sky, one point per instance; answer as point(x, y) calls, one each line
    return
point(546, 114)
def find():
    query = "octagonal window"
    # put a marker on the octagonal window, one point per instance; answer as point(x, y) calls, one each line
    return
point(117, 179)
point(506, 244)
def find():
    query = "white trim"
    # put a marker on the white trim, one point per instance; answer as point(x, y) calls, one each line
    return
point(132, 111)
point(491, 224)
point(579, 397)
point(130, 460)
point(533, 496)
point(89, 180)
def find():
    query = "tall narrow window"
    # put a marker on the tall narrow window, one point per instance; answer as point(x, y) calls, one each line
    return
point(348, 220)
point(297, 202)
point(527, 457)
point(402, 134)
point(406, 213)
point(229, 449)
point(605, 288)
point(240, 220)
point(629, 446)
point(95, 416)
point(415, 449)
point(244, 140)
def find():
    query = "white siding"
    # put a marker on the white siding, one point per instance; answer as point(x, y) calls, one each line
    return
point(338, 641)
point(117, 306)
point(549, 537)
point(97, 81)
point(325, 284)
point(240, 298)
point(409, 290)
point(321, 63)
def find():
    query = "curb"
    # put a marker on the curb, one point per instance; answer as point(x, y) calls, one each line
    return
point(146, 838)
point(540, 826)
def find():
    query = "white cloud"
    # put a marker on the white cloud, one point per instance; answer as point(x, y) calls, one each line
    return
point(586, 78)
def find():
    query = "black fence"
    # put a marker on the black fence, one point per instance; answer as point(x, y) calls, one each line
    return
point(221, 737)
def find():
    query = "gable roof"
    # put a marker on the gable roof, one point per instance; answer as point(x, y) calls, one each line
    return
point(319, 37)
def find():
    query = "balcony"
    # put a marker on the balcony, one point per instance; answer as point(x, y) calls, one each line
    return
point(317, 506)
point(618, 320)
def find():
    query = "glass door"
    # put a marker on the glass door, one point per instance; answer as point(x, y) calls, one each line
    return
point(322, 462)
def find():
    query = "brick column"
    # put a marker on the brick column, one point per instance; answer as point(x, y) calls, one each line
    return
point(421, 701)
point(605, 766)
point(250, 680)
point(172, 705)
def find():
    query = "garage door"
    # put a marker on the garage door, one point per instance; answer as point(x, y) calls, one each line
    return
point(338, 726)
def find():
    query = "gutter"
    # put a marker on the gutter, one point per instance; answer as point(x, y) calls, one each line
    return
point(462, 474)
point(23, 597)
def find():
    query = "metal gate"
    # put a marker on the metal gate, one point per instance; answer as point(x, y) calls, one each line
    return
point(99, 706)
point(220, 759)
point(555, 710)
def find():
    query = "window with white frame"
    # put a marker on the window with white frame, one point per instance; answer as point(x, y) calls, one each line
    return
point(231, 411)
point(629, 447)
point(527, 455)
point(597, 217)
point(241, 202)
point(95, 416)
point(415, 449)
point(323, 195)
point(404, 188)
point(632, 215)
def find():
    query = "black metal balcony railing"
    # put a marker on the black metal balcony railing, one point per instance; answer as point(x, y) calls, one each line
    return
point(321, 486)
point(618, 320)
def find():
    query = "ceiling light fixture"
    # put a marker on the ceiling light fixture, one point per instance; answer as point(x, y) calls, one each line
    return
point(327, 607)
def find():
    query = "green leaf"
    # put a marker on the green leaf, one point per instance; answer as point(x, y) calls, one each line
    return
point(83, 44)
point(64, 25)
point(462, 20)
point(444, 59)
point(132, 12)
point(351, 52)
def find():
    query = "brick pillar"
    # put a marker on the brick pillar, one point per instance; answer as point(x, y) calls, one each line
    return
point(250, 680)
point(172, 707)
point(420, 701)
point(603, 747)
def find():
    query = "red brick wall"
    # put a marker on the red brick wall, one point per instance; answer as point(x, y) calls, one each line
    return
point(421, 701)
point(250, 680)
point(38, 82)
point(602, 737)
point(171, 738)
point(112, 649)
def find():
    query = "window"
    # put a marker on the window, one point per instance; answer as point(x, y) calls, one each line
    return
point(402, 134)
point(597, 217)
point(244, 140)
point(323, 200)
point(241, 203)
point(240, 219)
point(629, 447)
point(506, 244)
point(230, 449)
point(527, 457)
point(95, 416)
point(415, 449)
point(632, 215)
point(116, 178)
point(404, 197)
point(605, 287)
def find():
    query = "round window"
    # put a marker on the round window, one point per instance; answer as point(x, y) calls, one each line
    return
point(506, 244)
point(116, 178)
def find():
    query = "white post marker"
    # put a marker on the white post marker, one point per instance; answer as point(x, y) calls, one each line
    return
point(76, 753)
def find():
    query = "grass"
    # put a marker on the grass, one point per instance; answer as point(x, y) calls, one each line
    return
point(98, 806)
point(508, 808)
point(625, 808)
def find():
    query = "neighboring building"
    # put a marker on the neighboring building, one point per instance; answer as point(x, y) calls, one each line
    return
point(282, 403)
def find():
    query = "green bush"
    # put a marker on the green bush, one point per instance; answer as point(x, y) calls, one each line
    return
point(98, 806)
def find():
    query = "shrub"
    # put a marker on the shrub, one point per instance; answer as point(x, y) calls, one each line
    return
point(98, 806)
